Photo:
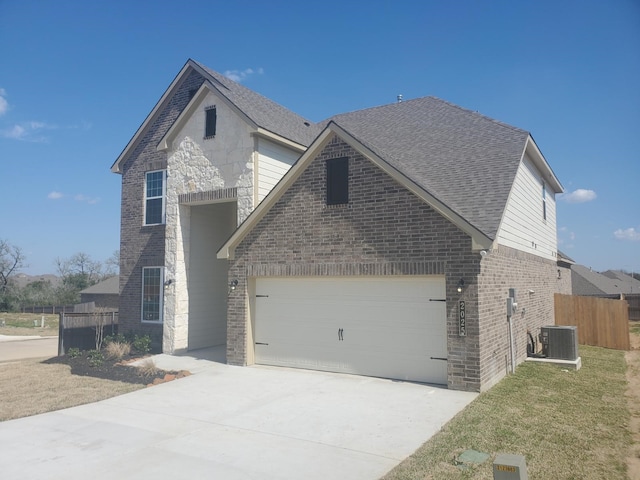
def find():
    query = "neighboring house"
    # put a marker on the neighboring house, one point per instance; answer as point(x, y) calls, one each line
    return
point(627, 283)
point(587, 282)
point(564, 273)
point(388, 249)
point(104, 295)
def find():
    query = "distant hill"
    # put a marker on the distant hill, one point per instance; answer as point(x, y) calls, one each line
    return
point(23, 279)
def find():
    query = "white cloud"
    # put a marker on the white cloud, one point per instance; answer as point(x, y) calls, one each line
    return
point(579, 196)
point(16, 132)
point(240, 75)
point(4, 105)
point(28, 131)
point(83, 198)
point(630, 234)
point(55, 195)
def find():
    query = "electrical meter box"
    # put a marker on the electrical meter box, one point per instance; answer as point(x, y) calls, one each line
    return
point(509, 467)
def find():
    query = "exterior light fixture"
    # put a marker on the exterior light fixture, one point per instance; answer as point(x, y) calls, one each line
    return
point(232, 285)
point(168, 282)
point(460, 285)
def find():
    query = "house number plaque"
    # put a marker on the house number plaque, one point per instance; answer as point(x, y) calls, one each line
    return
point(462, 326)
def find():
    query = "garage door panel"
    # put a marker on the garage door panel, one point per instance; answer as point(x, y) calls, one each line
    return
point(378, 326)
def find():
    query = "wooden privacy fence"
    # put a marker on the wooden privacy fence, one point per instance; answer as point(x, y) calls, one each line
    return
point(601, 322)
point(78, 329)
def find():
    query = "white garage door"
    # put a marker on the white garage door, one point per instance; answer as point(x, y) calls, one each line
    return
point(392, 327)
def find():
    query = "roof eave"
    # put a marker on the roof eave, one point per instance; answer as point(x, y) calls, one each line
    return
point(116, 167)
point(543, 165)
point(227, 251)
point(480, 239)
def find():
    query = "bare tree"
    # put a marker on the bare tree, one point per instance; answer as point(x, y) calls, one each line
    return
point(78, 272)
point(11, 259)
point(112, 264)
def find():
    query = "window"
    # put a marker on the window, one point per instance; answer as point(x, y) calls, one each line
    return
point(210, 122)
point(154, 197)
point(338, 181)
point(544, 201)
point(152, 283)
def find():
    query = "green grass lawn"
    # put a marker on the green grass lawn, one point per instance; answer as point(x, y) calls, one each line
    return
point(568, 424)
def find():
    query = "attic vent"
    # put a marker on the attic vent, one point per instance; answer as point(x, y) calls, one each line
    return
point(307, 124)
point(210, 122)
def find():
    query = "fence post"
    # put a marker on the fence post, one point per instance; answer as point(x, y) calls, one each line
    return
point(60, 334)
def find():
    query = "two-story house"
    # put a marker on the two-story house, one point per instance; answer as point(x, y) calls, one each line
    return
point(381, 242)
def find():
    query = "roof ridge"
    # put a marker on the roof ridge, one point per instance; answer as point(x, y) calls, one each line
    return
point(432, 97)
point(482, 115)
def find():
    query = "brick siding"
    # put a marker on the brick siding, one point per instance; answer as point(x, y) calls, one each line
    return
point(144, 246)
point(384, 230)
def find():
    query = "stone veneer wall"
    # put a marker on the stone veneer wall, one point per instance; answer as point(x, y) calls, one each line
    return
point(535, 280)
point(140, 245)
point(207, 171)
point(384, 230)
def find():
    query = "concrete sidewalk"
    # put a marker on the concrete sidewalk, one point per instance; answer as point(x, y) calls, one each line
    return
point(233, 423)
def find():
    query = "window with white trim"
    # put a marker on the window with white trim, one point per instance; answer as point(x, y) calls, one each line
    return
point(152, 294)
point(154, 197)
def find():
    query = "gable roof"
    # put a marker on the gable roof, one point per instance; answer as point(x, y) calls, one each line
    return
point(632, 284)
point(261, 112)
point(109, 286)
point(465, 159)
point(585, 281)
point(460, 162)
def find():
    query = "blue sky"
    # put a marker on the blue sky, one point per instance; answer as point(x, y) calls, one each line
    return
point(77, 78)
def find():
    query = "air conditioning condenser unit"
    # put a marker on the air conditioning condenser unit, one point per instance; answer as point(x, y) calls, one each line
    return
point(560, 342)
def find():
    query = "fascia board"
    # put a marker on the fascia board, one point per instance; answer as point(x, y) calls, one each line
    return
point(190, 109)
point(227, 251)
point(480, 240)
point(261, 132)
point(115, 168)
point(543, 165)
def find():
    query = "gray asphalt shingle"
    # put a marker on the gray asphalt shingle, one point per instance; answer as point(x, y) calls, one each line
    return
point(466, 160)
point(265, 113)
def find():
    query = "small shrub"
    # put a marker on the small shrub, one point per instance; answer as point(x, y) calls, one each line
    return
point(73, 352)
point(95, 357)
point(148, 368)
point(117, 350)
point(118, 338)
point(142, 344)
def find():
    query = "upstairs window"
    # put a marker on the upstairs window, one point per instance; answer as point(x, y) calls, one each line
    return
point(338, 181)
point(154, 191)
point(152, 283)
point(544, 201)
point(210, 122)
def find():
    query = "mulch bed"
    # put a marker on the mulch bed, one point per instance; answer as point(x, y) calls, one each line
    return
point(117, 370)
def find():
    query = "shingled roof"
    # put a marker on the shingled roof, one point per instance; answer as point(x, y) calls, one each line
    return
point(466, 160)
point(262, 111)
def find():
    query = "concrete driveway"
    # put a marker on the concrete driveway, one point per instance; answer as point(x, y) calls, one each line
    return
point(231, 423)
